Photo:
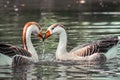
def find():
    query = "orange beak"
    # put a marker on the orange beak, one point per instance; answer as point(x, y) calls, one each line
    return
point(48, 34)
point(40, 35)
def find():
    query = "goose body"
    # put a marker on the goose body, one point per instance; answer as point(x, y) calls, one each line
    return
point(93, 51)
point(17, 55)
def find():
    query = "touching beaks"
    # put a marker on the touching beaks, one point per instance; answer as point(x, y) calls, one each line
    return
point(47, 34)
point(40, 35)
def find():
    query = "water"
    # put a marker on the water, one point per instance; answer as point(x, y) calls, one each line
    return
point(81, 27)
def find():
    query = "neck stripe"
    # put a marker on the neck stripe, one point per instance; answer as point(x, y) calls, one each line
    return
point(27, 25)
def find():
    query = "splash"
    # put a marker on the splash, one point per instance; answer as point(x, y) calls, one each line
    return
point(43, 51)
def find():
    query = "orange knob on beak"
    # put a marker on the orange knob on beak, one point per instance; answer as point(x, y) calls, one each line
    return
point(40, 35)
point(48, 34)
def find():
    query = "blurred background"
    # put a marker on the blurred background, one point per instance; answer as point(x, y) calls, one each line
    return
point(63, 5)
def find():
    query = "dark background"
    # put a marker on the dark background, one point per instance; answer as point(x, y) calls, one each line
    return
point(61, 5)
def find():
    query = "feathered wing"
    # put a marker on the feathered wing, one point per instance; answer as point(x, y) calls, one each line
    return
point(11, 51)
point(100, 46)
point(18, 59)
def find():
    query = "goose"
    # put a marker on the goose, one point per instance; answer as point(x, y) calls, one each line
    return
point(14, 55)
point(87, 52)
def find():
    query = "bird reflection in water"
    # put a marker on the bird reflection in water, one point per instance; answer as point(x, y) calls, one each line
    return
point(26, 72)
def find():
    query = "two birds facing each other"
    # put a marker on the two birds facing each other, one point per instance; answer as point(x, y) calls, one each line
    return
point(89, 52)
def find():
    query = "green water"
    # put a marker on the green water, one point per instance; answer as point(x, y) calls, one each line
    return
point(81, 27)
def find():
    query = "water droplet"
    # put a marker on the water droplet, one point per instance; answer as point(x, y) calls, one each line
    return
point(43, 55)
point(82, 1)
point(5, 6)
point(16, 9)
point(7, 2)
point(101, 3)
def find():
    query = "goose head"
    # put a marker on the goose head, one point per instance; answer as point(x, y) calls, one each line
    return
point(33, 28)
point(54, 29)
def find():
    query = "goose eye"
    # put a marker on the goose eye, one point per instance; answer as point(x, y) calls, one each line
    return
point(52, 28)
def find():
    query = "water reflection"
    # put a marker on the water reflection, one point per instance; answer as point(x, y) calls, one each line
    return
point(67, 71)
point(59, 71)
point(5, 72)
point(23, 72)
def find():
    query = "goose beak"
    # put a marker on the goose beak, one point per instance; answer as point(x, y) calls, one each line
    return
point(40, 35)
point(48, 34)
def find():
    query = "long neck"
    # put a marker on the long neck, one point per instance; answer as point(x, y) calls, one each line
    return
point(61, 49)
point(27, 41)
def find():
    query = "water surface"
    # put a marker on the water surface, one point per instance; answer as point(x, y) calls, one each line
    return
point(81, 27)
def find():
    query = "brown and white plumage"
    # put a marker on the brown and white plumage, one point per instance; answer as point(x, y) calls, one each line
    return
point(18, 55)
point(91, 51)
point(100, 46)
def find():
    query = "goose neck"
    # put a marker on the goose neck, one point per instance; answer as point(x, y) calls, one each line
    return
point(28, 44)
point(61, 49)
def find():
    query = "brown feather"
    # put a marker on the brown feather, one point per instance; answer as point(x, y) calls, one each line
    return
point(11, 51)
point(101, 46)
point(28, 24)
